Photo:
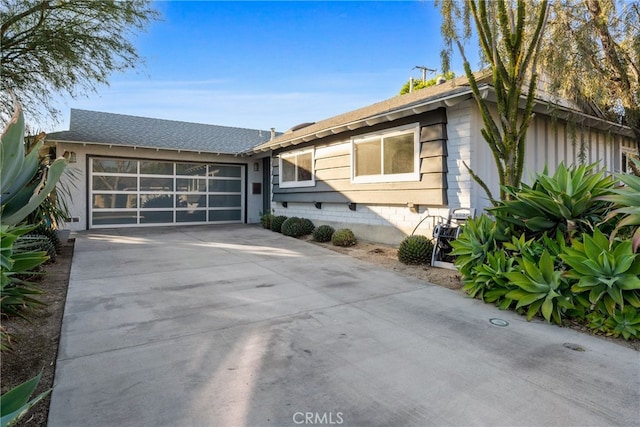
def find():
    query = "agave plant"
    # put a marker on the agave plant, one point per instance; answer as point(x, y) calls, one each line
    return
point(22, 191)
point(15, 292)
point(568, 201)
point(474, 243)
point(490, 282)
point(627, 201)
point(609, 271)
point(540, 289)
point(625, 322)
point(15, 403)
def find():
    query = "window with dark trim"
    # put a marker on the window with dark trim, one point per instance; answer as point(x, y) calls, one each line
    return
point(296, 169)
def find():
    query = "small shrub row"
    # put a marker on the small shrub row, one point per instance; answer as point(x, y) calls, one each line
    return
point(297, 227)
point(341, 237)
point(289, 226)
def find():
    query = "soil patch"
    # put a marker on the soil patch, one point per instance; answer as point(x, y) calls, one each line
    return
point(386, 256)
point(35, 342)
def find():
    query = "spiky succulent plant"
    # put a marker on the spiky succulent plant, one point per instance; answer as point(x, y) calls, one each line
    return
point(415, 249)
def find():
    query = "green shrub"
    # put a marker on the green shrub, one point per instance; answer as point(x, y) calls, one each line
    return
point(293, 227)
point(276, 223)
point(343, 237)
point(415, 249)
point(323, 233)
point(307, 226)
point(265, 220)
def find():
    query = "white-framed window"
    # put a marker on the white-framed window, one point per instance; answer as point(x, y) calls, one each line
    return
point(387, 156)
point(296, 169)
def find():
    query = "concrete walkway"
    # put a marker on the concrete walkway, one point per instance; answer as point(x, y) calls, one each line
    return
point(236, 325)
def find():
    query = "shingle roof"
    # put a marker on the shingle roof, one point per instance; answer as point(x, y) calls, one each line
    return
point(119, 129)
point(344, 121)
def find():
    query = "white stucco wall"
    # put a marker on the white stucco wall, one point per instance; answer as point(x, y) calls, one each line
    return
point(78, 186)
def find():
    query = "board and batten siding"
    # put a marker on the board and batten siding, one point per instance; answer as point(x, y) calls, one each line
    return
point(332, 168)
point(549, 142)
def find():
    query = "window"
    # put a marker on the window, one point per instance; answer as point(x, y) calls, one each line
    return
point(393, 155)
point(296, 169)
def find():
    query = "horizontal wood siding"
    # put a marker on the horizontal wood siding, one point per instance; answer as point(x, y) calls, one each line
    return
point(332, 169)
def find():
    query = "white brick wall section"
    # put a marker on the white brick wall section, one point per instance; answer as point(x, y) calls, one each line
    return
point(380, 215)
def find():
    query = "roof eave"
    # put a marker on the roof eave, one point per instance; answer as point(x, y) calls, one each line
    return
point(567, 113)
point(387, 116)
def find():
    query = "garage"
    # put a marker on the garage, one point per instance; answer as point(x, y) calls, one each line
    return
point(137, 192)
point(130, 171)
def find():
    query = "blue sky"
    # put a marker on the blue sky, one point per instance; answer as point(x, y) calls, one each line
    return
point(271, 64)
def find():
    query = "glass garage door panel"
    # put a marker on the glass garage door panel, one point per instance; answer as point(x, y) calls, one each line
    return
point(156, 217)
point(191, 216)
point(115, 218)
point(115, 201)
point(225, 215)
point(127, 192)
point(115, 166)
point(115, 183)
point(223, 200)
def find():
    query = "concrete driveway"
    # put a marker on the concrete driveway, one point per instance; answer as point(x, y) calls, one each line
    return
point(236, 325)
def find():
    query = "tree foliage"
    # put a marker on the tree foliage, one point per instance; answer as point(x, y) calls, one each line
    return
point(55, 46)
point(600, 60)
point(421, 84)
point(509, 34)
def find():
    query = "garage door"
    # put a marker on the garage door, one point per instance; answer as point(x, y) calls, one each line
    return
point(131, 192)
